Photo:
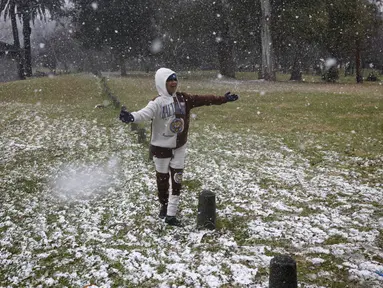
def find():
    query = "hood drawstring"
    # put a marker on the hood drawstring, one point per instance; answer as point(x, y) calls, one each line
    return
point(178, 102)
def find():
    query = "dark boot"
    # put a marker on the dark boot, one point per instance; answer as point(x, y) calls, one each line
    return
point(173, 221)
point(163, 210)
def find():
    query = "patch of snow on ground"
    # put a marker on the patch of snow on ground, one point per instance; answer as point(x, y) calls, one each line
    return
point(105, 230)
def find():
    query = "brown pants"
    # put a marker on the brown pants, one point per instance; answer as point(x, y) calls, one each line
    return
point(163, 184)
point(165, 159)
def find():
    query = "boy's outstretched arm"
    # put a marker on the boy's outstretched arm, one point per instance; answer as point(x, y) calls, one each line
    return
point(205, 100)
point(144, 114)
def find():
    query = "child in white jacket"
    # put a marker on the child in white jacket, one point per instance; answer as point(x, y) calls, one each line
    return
point(170, 115)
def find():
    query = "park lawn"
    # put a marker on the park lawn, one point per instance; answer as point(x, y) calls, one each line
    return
point(296, 168)
point(341, 116)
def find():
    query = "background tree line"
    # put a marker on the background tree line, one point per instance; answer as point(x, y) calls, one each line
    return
point(199, 34)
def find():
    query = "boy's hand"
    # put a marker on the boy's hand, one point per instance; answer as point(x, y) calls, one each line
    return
point(126, 116)
point(231, 97)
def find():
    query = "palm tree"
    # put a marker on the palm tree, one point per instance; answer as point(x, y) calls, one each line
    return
point(9, 8)
point(28, 10)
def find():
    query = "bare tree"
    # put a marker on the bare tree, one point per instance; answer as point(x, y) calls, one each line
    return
point(5, 31)
point(225, 45)
point(267, 71)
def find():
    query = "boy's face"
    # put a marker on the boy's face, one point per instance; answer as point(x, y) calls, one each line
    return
point(171, 86)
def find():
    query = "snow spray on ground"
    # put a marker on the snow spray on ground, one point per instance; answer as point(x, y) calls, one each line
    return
point(84, 181)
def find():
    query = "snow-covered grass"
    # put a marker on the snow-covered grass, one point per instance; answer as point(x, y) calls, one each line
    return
point(78, 195)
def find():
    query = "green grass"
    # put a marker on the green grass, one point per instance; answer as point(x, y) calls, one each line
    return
point(312, 119)
point(346, 118)
point(340, 117)
point(336, 279)
point(335, 239)
point(63, 90)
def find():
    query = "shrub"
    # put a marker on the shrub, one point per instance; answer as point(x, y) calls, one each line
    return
point(372, 77)
point(331, 75)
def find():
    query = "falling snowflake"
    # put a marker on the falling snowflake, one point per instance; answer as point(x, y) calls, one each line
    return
point(156, 46)
point(330, 62)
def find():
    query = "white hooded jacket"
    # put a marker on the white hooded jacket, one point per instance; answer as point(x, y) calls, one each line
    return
point(171, 114)
point(162, 111)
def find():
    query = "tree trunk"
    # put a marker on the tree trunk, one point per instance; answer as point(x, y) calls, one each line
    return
point(267, 71)
point(27, 41)
point(225, 44)
point(114, 58)
point(225, 58)
point(94, 68)
point(296, 74)
point(122, 65)
point(359, 76)
point(16, 42)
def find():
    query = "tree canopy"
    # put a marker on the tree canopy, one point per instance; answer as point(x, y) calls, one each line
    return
point(216, 34)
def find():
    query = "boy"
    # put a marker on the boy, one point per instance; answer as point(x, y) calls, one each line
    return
point(170, 115)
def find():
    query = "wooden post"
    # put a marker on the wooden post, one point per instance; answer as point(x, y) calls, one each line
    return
point(206, 210)
point(283, 272)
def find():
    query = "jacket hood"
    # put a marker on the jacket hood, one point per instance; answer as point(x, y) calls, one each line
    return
point(160, 78)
